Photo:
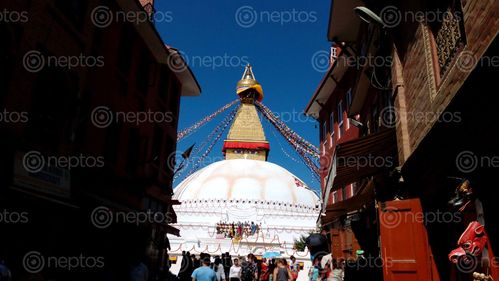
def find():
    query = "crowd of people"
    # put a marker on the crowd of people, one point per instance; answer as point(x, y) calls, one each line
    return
point(249, 268)
point(333, 270)
point(352, 269)
point(237, 230)
point(227, 268)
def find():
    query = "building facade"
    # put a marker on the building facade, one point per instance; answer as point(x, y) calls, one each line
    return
point(82, 86)
point(353, 118)
point(436, 97)
point(417, 99)
point(330, 105)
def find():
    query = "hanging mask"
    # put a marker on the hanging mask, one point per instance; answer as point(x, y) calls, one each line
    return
point(471, 242)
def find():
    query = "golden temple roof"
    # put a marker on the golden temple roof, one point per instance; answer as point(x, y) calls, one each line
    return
point(246, 138)
point(247, 82)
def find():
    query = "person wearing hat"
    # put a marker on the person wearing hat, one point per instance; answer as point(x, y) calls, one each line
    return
point(204, 273)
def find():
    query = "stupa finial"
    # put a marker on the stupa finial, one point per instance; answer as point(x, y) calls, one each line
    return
point(248, 86)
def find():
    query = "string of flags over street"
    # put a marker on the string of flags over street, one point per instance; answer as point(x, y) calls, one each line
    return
point(194, 157)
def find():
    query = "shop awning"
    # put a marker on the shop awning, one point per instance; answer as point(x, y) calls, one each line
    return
point(360, 158)
point(344, 207)
point(364, 157)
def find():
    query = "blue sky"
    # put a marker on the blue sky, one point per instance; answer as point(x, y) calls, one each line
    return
point(281, 40)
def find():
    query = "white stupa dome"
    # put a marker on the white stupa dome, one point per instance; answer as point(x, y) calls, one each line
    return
point(245, 181)
point(242, 205)
point(243, 190)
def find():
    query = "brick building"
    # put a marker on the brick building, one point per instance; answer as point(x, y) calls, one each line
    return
point(329, 106)
point(358, 148)
point(430, 93)
point(442, 74)
point(88, 111)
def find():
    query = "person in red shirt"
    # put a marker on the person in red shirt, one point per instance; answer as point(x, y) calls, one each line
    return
point(265, 270)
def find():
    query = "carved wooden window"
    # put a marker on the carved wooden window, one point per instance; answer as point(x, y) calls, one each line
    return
point(448, 33)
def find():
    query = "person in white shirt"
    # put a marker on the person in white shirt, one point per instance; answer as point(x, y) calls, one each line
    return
point(337, 273)
point(235, 271)
point(219, 269)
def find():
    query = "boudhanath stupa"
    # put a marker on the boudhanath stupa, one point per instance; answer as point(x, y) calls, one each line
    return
point(244, 188)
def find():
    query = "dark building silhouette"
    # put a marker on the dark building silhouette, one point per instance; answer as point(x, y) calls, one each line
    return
point(90, 111)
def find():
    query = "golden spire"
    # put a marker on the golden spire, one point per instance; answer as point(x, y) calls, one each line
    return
point(246, 138)
point(248, 87)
